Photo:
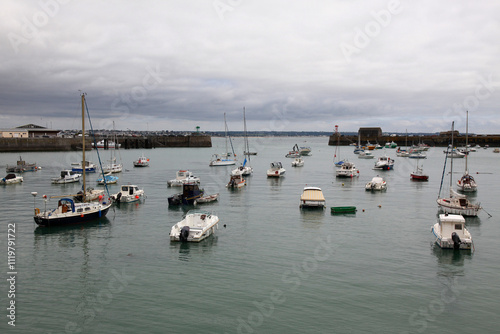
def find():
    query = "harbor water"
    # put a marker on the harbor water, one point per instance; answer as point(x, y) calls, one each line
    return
point(270, 267)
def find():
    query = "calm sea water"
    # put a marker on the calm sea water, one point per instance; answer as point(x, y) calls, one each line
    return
point(272, 269)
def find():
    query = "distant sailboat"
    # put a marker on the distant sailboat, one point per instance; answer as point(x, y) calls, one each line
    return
point(244, 169)
point(226, 158)
point(457, 203)
point(467, 183)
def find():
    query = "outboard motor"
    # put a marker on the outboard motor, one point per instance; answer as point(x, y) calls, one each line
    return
point(456, 240)
point(183, 236)
point(118, 196)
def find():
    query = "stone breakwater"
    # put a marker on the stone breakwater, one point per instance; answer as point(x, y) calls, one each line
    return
point(75, 144)
point(434, 140)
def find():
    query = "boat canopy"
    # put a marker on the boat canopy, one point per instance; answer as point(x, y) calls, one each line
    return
point(312, 194)
point(67, 201)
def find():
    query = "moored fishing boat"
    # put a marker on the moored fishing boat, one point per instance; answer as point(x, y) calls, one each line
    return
point(142, 161)
point(183, 176)
point(128, 193)
point(348, 169)
point(190, 193)
point(450, 232)
point(67, 176)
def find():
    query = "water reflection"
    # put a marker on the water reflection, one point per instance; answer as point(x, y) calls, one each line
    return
point(191, 250)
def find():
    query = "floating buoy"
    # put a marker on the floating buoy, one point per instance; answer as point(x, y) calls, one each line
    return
point(379, 206)
point(342, 184)
point(363, 210)
point(224, 225)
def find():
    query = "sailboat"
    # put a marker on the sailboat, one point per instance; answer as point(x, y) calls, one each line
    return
point(68, 211)
point(113, 166)
point(467, 183)
point(358, 149)
point(457, 203)
point(418, 174)
point(337, 161)
point(227, 158)
point(244, 169)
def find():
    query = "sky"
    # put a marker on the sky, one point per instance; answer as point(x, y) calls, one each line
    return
point(293, 65)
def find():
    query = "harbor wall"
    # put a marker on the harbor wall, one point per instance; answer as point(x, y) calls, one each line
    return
point(75, 144)
point(433, 140)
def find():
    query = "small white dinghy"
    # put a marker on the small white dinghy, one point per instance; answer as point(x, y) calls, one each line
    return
point(194, 227)
point(298, 162)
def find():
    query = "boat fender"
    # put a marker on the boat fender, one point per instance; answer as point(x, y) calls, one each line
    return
point(456, 240)
point(184, 233)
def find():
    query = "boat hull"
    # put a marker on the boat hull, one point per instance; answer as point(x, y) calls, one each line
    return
point(70, 219)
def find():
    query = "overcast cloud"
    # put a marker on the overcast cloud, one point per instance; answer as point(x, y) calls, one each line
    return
point(294, 65)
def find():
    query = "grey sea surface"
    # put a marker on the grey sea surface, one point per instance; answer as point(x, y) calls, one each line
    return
point(270, 267)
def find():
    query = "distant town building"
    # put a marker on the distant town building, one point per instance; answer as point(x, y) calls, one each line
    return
point(28, 131)
point(448, 133)
point(370, 132)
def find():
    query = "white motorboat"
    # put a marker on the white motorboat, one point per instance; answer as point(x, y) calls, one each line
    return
point(450, 232)
point(347, 169)
point(312, 197)
point(194, 227)
point(304, 150)
point(276, 170)
point(181, 177)
point(384, 163)
point(224, 159)
point(141, 162)
point(128, 193)
point(377, 183)
point(243, 170)
point(298, 162)
point(454, 153)
point(365, 154)
point(67, 176)
point(417, 155)
point(11, 179)
point(111, 144)
point(236, 181)
point(90, 167)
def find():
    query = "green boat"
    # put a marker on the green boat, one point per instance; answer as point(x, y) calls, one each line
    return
point(343, 209)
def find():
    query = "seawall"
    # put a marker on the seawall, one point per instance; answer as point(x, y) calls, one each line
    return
point(75, 144)
point(434, 140)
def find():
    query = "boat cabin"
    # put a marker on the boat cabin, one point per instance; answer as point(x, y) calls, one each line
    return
point(452, 223)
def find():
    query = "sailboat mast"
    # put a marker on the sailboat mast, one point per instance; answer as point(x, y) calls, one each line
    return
point(246, 148)
point(225, 130)
point(466, 139)
point(83, 144)
point(451, 163)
